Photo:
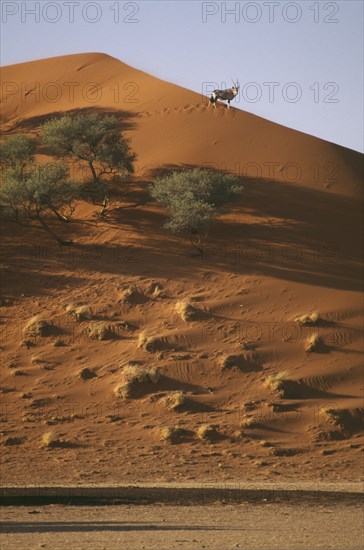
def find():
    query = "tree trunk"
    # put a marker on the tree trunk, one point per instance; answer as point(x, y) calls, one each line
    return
point(96, 180)
point(105, 206)
point(196, 241)
point(93, 171)
point(51, 232)
point(61, 217)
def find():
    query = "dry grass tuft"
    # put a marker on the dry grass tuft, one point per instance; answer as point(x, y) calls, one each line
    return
point(156, 290)
point(174, 401)
point(312, 319)
point(327, 414)
point(133, 377)
point(238, 434)
point(185, 310)
point(99, 331)
point(148, 343)
point(313, 343)
point(81, 313)
point(274, 382)
point(230, 362)
point(207, 432)
point(36, 326)
point(130, 296)
point(346, 421)
point(171, 434)
point(49, 439)
point(249, 422)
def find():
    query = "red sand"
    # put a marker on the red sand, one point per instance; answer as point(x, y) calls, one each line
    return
point(290, 246)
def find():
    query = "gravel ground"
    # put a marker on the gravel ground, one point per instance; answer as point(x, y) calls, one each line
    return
point(218, 527)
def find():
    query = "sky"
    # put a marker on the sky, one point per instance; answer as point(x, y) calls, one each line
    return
point(298, 63)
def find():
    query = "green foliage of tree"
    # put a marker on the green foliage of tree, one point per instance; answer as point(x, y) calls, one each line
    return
point(46, 188)
point(17, 152)
point(192, 197)
point(93, 140)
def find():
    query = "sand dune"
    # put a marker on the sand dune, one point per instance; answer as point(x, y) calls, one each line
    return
point(291, 246)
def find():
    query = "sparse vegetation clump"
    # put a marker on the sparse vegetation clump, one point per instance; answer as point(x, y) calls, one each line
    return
point(344, 421)
point(275, 382)
point(185, 310)
point(313, 343)
point(207, 432)
point(133, 378)
point(238, 434)
point(130, 295)
point(156, 290)
point(249, 422)
point(328, 414)
point(340, 417)
point(332, 425)
point(148, 343)
point(311, 319)
point(127, 326)
point(100, 331)
point(174, 401)
point(80, 312)
point(230, 362)
point(171, 434)
point(49, 439)
point(37, 326)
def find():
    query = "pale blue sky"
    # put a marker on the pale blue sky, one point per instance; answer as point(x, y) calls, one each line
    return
point(317, 45)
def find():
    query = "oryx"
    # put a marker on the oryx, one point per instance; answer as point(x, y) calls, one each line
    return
point(225, 95)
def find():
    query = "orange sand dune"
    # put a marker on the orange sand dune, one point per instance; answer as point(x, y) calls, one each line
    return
point(292, 245)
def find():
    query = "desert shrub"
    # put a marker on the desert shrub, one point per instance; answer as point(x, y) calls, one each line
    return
point(249, 422)
point(310, 319)
point(172, 434)
point(192, 197)
point(185, 310)
point(49, 439)
point(36, 326)
point(150, 344)
point(156, 290)
point(134, 376)
point(131, 295)
point(313, 343)
point(174, 401)
point(80, 312)
point(206, 432)
point(100, 331)
point(275, 381)
point(83, 313)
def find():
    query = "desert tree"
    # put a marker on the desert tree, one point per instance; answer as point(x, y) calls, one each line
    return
point(95, 141)
point(34, 194)
point(192, 198)
point(17, 153)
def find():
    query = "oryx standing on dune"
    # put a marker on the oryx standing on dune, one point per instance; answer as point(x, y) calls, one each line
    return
point(225, 95)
